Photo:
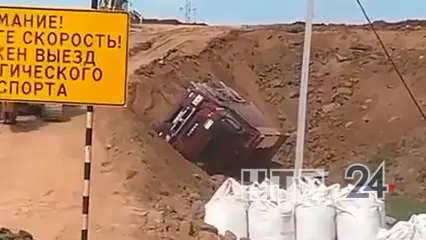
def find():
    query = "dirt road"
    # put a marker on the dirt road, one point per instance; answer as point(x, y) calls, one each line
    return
point(41, 184)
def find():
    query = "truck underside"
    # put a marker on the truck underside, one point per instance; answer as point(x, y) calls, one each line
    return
point(216, 128)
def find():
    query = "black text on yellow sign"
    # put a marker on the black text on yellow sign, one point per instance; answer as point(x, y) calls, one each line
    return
point(63, 55)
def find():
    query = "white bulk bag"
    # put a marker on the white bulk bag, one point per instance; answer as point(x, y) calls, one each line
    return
point(252, 191)
point(358, 218)
point(315, 214)
point(303, 186)
point(270, 218)
point(401, 231)
point(268, 190)
point(227, 210)
point(420, 222)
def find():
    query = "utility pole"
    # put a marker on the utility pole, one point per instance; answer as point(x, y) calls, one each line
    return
point(303, 96)
point(189, 11)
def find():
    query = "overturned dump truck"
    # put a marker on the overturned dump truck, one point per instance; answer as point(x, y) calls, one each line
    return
point(220, 131)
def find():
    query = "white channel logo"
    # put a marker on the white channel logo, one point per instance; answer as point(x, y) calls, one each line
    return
point(277, 178)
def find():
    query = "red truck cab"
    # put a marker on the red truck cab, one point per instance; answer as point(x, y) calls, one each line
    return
point(217, 129)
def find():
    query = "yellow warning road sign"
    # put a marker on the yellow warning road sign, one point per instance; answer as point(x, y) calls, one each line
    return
point(63, 55)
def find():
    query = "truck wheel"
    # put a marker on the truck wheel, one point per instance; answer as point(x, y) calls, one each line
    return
point(52, 112)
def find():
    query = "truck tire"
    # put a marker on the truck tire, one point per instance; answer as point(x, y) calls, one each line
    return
point(52, 112)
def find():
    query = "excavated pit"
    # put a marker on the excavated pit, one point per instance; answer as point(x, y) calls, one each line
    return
point(358, 109)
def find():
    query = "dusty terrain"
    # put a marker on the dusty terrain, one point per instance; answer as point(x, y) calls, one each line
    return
point(142, 189)
point(359, 110)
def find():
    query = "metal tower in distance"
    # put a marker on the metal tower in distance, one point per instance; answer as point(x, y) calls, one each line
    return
point(189, 11)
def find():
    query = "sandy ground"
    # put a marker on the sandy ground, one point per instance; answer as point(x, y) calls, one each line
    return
point(42, 184)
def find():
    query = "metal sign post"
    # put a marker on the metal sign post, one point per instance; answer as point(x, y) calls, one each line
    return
point(87, 170)
point(87, 163)
point(303, 96)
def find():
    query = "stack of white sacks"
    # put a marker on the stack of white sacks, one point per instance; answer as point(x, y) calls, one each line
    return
point(308, 210)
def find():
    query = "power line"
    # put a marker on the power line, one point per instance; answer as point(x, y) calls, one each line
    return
point(413, 98)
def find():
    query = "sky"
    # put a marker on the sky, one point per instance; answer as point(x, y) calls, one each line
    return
point(262, 12)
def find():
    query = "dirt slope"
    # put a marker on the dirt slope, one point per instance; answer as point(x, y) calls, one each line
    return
point(359, 111)
point(358, 106)
point(171, 190)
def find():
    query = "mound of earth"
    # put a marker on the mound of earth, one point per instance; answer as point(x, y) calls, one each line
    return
point(170, 192)
point(168, 22)
point(358, 109)
point(7, 234)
